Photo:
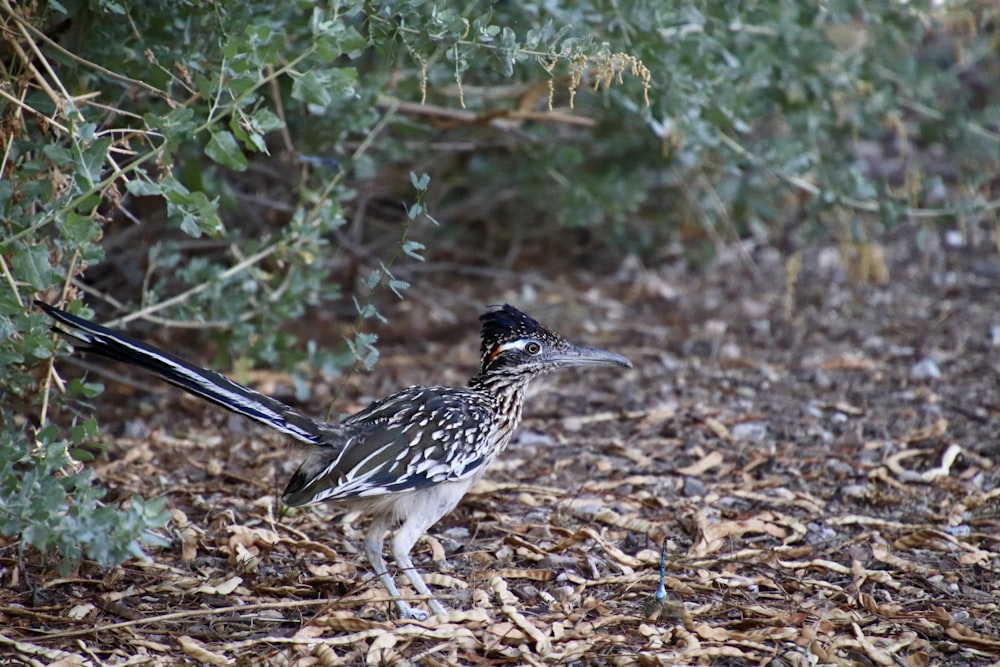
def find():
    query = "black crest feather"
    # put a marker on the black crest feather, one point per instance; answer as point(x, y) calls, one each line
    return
point(503, 324)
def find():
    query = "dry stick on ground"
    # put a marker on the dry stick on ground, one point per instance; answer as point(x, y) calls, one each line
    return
point(198, 613)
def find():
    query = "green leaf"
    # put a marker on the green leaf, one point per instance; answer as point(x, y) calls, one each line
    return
point(39, 535)
point(260, 122)
point(365, 311)
point(112, 7)
point(142, 187)
point(179, 121)
point(77, 387)
point(92, 159)
point(352, 42)
point(363, 348)
point(79, 229)
point(508, 51)
point(411, 249)
point(85, 131)
point(264, 120)
point(420, 182)
point(398, 286)
point(42, 350)
point(81, 455)
point(224, 149)
point(311, 88)
point(190, 226)
point(32, 264)
point(59, 155)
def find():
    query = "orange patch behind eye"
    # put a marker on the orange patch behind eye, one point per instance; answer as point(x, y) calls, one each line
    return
point(497, 350)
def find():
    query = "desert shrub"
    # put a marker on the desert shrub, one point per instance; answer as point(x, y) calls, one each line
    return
point(61, 512)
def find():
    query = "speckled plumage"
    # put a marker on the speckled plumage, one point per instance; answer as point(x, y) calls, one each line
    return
point(407, 458)
point(404, 442)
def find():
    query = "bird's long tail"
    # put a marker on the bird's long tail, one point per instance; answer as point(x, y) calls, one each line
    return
point(209, 385)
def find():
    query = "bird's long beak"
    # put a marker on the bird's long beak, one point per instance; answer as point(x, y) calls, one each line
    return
point(589, 356)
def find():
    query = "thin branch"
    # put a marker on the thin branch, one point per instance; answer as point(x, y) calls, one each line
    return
point(48, 68)
point(201, 287)
point(30, 66)
point(279, 111)
point(50, 372)
point(10, 280)
point(162, 321)
point(471, 117)
point(18, 103)
point(83, 61)
point(195, 613)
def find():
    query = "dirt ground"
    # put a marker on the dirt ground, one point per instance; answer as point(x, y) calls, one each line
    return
point(818, 458)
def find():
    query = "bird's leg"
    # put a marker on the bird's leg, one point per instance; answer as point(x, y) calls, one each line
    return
point(374, 541)
point(402, 543)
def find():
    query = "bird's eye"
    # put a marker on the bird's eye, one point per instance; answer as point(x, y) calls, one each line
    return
point(532, 348)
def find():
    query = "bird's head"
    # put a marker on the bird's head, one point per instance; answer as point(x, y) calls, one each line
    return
point(514, 343)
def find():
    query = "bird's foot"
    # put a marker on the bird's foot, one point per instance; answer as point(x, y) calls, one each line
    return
point(412, 613)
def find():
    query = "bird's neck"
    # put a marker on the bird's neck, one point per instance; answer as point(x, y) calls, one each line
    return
point(506, 392)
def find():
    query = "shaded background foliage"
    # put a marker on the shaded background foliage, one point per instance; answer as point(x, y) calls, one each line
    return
point(219, 170)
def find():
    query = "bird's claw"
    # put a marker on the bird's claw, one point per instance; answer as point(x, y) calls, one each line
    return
point(412, 613)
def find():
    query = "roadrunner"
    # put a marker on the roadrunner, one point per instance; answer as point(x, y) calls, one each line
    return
point(406, 459)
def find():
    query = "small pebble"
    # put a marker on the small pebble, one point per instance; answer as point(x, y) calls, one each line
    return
point(819, 532)
point(839, 468)
point(730, 351)
point(458, 533)
point(925, 369)
point(855, 491)
point(954, 238)
point(821, 379)
point(694, 488)
point(750, 431)
point(527, 437)
point(527, 592)
point(565, 593)
point(137, 429)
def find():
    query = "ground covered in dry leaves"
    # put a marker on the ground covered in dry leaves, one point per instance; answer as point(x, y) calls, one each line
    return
point(819, 458)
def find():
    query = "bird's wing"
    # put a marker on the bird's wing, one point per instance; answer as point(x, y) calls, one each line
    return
point(415, 438)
